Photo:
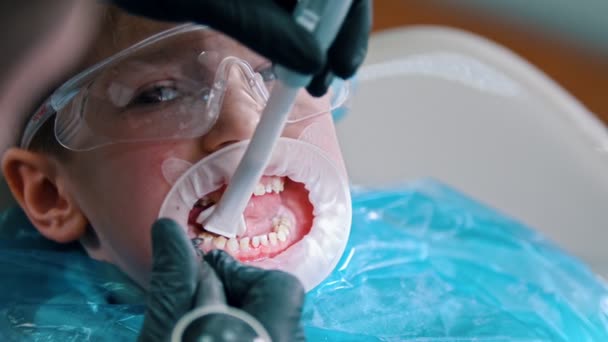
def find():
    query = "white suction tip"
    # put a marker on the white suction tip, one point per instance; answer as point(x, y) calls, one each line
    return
point(210, 223)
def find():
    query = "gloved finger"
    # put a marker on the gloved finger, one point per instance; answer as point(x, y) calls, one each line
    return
point(175, 282)
point(320, 82)
point(348, 50)
point(269, 29)
point(275, 298)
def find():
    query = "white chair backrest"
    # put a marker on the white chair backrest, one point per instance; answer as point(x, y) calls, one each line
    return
point(443, 103)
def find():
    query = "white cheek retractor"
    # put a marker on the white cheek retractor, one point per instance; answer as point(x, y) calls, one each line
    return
point(323, 19)
point(315, 254)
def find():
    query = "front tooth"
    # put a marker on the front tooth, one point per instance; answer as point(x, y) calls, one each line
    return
point(264, 240)
point(272, 237)
point(244, 244)
point(277, 222)
point(259, 189)
point(281, 236)
point(233, 245)
point(268, 188)
point(282, 223)
point(205, 236)
point(255, 241)
point(219, 242)
point(276, 185)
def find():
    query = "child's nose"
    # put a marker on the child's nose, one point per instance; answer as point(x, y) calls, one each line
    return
point(237, 119)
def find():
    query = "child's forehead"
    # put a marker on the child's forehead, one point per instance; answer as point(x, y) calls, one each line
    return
point(120, 30)
point(117, 32)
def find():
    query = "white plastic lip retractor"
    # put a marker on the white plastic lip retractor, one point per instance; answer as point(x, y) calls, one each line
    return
point(323, 19)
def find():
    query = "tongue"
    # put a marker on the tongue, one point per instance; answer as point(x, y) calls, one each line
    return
point(259, 213)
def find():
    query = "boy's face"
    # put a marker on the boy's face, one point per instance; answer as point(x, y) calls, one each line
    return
point(119, 188)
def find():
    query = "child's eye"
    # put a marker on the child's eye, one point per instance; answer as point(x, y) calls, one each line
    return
point(157, 93)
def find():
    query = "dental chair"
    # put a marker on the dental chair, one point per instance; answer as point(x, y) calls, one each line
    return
point(443, 103)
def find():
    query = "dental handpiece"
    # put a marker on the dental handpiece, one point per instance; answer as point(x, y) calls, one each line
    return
point(323, 18)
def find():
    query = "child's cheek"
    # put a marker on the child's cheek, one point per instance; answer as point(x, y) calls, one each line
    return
point(144, 172)
point(153, 171)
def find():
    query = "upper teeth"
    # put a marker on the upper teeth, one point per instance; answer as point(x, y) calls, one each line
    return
point(274, 184)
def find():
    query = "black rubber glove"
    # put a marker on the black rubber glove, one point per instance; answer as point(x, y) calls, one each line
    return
point(267, 27)
point(181, 281)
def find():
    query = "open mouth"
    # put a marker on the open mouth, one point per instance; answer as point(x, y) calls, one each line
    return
point(297, 220)
point(278, 215)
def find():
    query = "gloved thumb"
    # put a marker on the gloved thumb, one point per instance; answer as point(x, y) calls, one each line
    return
point(274, 298)
point(179, 281)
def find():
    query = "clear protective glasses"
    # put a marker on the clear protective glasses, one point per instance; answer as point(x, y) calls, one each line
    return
point(171, 85)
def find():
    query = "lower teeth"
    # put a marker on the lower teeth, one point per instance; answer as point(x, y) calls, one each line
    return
point(280, 232)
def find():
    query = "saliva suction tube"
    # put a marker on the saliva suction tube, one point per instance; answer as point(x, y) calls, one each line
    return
point(323, 19)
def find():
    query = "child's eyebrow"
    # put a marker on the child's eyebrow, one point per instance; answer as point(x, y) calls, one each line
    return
point(182, 53)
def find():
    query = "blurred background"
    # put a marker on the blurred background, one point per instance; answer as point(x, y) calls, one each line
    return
point(534, 155)
point(566, 39)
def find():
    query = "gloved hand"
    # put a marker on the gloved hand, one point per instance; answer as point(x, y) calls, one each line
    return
point(181, 281)
point(267, 27)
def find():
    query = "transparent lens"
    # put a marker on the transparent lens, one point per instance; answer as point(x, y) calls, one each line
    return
point(173, 87)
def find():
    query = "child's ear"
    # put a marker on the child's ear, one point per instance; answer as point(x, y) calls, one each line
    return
point(35, 182)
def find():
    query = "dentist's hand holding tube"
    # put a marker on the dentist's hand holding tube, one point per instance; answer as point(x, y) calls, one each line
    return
point(268, 27)
point(182, 281)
